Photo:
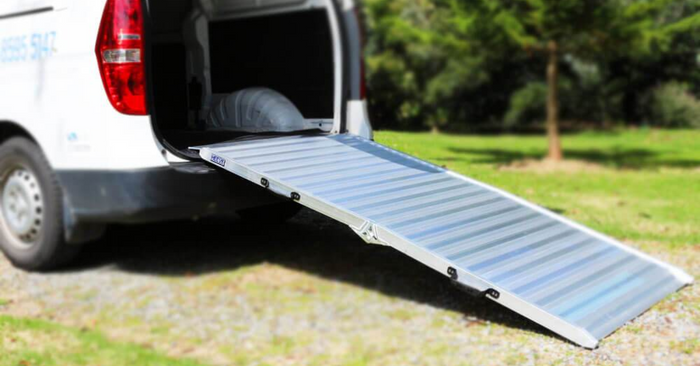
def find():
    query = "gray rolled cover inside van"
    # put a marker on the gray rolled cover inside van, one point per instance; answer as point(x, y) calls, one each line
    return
point(256, 110)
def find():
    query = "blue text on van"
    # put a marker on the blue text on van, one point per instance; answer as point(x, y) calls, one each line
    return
point(34, 47)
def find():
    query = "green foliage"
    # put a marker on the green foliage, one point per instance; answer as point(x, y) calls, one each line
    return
point(673, 106)
point(457, 63)
point(526, 104)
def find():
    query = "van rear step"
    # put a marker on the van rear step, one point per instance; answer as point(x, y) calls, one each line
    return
point(574, 281)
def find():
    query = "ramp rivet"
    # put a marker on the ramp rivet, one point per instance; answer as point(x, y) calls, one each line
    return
point(493, 293)
point(453, 273)
point(296, 196)
point(265, 183)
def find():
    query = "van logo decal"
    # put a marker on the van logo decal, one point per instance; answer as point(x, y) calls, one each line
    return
point(218, 160)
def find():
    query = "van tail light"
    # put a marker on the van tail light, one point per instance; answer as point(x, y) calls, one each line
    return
point(120, 52)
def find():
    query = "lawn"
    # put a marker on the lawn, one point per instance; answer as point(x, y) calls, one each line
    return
point(312, 293)
point(29, 342)
point(640, 185)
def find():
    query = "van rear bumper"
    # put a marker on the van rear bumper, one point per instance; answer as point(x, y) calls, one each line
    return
point(180, 191)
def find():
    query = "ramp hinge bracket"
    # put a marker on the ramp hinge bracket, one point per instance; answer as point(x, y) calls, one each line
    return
point(368, 233)
point(452, 273)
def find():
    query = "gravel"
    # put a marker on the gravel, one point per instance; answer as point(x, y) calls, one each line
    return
point(311, 292)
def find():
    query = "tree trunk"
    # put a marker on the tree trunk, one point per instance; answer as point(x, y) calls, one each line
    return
point(555, 152)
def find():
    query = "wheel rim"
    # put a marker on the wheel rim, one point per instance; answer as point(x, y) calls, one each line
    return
point(22, 206)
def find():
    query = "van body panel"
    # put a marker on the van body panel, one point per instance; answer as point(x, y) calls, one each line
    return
point(52, 89)
point(157, 194)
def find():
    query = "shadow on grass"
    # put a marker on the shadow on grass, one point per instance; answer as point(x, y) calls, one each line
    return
point(616, 158)
point(310, 243)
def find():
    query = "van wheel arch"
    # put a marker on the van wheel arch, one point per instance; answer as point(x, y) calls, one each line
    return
point(9, 129)
point(75, 232)
point(32, 226)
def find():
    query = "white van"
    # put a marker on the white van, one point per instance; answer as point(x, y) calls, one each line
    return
point(100, 101)
point(109, 110)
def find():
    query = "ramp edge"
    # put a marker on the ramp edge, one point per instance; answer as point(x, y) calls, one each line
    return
point(530, 311)
point(680, 274)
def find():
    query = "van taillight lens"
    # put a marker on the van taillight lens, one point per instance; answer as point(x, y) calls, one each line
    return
point(120, 51)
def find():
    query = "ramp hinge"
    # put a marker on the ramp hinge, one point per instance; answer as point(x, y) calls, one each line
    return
point(368, 233)
point(493, 293)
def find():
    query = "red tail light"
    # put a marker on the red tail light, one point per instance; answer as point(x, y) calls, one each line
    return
point(120, 51)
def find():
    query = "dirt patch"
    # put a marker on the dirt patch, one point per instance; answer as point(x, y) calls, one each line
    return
point(551, 166)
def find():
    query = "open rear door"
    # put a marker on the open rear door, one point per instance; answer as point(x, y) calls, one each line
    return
point(576, 282)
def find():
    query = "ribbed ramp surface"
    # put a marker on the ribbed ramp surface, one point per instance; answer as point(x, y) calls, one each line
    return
point(572, 280)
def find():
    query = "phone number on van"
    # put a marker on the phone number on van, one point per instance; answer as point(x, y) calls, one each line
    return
point(33, 47)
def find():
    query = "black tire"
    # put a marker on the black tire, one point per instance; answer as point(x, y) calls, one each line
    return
point(276, 214)
point(45, 247)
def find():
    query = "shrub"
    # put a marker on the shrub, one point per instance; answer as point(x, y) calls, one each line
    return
point(527, 105)
point(672, 105)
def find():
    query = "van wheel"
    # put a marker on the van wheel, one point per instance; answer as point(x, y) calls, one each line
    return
point(31, 208)
point(274, 214)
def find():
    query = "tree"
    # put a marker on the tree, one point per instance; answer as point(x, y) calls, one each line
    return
point(668, 55)
point(439, 63)
point(582, 29)
point(419, 62)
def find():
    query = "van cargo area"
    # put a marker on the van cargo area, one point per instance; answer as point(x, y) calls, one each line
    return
point(203, 51)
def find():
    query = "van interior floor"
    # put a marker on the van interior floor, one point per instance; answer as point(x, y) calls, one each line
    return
point(183, 139)
point(201, 52)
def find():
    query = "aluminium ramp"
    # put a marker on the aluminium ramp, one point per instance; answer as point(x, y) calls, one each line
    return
point(576, 282)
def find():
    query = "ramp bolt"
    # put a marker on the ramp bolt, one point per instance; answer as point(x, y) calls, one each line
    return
point(453, 273)
point(265, 183)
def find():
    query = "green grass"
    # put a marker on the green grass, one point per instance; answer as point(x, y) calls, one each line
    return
point(639, 185)
point(28, 342)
